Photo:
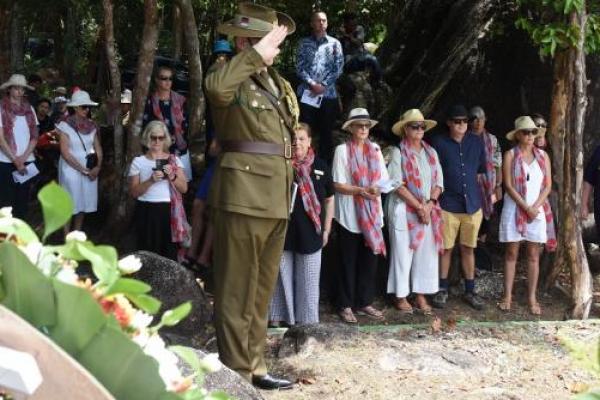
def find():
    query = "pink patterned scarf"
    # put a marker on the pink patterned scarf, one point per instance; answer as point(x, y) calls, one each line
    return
point(9, 111)
point(180, 228)
point(310, 201)
point(520, 182)
point(412, 177)
point(83, 126)
point(177, 102)
point(487, 185)
point(365, 169)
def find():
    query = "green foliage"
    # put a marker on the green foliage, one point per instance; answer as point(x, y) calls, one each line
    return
point(57, 207)
point(548, 24)
point(587, 356)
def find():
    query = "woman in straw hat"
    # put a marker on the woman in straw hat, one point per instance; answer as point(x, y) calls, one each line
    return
point(414, 216)
point(18, 137)
point(80, 158)
point(358, 168)
point(526, 214)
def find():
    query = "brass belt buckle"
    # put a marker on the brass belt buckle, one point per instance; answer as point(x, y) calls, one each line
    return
point(287, 151)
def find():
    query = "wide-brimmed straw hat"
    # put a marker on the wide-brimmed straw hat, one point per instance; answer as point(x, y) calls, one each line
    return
point(16, 80)
point(253, 20)
point(524, 122)
point(357, 115)
point(412, 115)
point(81, 98)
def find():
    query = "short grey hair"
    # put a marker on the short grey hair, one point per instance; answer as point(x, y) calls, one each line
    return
point(156, 127)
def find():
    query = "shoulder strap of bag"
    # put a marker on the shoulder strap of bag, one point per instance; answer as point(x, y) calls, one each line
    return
point(81, 140)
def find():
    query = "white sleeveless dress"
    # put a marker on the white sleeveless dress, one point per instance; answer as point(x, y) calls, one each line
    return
point(83, 191)
point(536, 229)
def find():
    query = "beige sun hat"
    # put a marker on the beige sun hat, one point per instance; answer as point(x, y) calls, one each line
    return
point(412, 115)
point(525, 122)
point(81, 98)
point(16, 80)
point(356, 115)
point(253, 20)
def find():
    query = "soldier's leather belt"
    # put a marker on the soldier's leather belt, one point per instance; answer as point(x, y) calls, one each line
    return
point(241, 146)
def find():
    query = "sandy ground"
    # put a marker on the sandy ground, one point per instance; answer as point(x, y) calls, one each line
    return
point(441, 361)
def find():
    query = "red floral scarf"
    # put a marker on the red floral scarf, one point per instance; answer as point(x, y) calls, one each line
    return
point(177, 102)
point(180, 228)
point(488, 182)
point(310, 201)
point(365, 170)
point(9, 111)
point(412, 178)
point(83, 126)
point(520, 182)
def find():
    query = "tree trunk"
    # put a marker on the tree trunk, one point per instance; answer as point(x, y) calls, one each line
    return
point(426, 45)
point(196, 101)
point(17, 38)
point(567, 121)
point(177, 33)
point(145, 65)
point(5, 48)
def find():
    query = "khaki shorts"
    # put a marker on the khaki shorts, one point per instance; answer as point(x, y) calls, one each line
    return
point(467, 224)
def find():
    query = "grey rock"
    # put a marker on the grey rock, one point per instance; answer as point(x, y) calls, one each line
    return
point(225, 380)
point(173, 284)
point(302, 338)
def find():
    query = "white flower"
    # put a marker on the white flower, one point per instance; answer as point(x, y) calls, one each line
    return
point(6, 212)
point(32, 251)
point(67, 275)
point(76, 235)
point(211, 363)
point(167, 361)
point(129, 264)
point(140, 320)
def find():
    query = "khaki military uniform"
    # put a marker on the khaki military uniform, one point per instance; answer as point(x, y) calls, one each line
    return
point(250, 199)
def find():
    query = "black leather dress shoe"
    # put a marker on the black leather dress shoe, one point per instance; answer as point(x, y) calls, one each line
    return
point(269, 382)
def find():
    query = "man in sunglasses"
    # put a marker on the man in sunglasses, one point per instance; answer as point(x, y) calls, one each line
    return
point(169, 107)
point(462, 157)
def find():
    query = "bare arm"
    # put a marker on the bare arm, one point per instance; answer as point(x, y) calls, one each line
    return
point(329, 211)
point(352, 190)
point(180, 181)
point(93, 174)
point(5, 147)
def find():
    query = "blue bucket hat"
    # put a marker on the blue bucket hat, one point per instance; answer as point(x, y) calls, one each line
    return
point(222, 46)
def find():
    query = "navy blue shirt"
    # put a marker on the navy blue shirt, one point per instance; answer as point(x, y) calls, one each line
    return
point(592, 176)
point(461, 162)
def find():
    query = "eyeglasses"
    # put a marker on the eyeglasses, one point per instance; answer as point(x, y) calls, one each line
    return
point(157, 138)
point(165, 78)
point(528, 131)
point(362, 126)
point(415, 127)
point(459, 121)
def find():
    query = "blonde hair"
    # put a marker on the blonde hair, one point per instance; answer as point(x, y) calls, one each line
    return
point(155, 127)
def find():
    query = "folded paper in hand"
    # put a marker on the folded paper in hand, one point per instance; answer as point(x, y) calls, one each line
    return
point(311, 99)
point(30, 171)
point(388, 185)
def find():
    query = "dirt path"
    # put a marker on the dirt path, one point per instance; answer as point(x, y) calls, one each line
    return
point(468, 361)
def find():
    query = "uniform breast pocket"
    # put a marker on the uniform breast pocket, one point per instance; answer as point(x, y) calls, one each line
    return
point(263, 110)
point(246, 183)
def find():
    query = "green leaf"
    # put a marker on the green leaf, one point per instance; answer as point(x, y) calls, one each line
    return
point(189, 356)
point(145, 302)
point(588, 396)
point(57, 207)
point(172, 317)
point(122, 366)
point(18, 228)
point(129, 286)
point(194, 394)
point(217, 396)
point(79, 317)
point(103, 259)
point(27, 291)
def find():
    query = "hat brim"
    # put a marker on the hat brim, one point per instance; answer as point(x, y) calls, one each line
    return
point(538, 132)
point(90, 104)
point(398, 127)
point(6, 85)
point(351, 121)
point(231, 29)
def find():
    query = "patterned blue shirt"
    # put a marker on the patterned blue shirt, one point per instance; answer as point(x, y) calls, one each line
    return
point(319, 61)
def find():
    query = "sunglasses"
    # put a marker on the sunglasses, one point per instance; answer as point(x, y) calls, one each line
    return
point(458, 121)
point(84, 107)
point(528, 131)
point(157, 138)
point(165, 78)
point(541, 125)
point(415, 127)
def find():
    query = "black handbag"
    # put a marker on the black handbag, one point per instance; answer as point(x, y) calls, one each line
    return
point(91, 159)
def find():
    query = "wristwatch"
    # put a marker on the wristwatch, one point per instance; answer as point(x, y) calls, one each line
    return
point(434, 201)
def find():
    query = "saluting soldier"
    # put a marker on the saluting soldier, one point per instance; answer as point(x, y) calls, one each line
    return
point(254, 111)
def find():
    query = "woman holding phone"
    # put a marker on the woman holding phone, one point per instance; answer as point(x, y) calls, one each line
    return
point(156, 181)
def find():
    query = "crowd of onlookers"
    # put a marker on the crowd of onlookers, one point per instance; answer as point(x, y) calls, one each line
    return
point(433, 192)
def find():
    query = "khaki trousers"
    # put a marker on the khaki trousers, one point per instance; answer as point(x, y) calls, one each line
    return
point(246, 252)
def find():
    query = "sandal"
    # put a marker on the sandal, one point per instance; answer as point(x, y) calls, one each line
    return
point(403, 306)
point(504, 305)
point(371, 312)
point(347, 316)
point(424, 310)
point(535, 309)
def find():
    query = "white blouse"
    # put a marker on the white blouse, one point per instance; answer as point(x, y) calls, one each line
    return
point(158, 191)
